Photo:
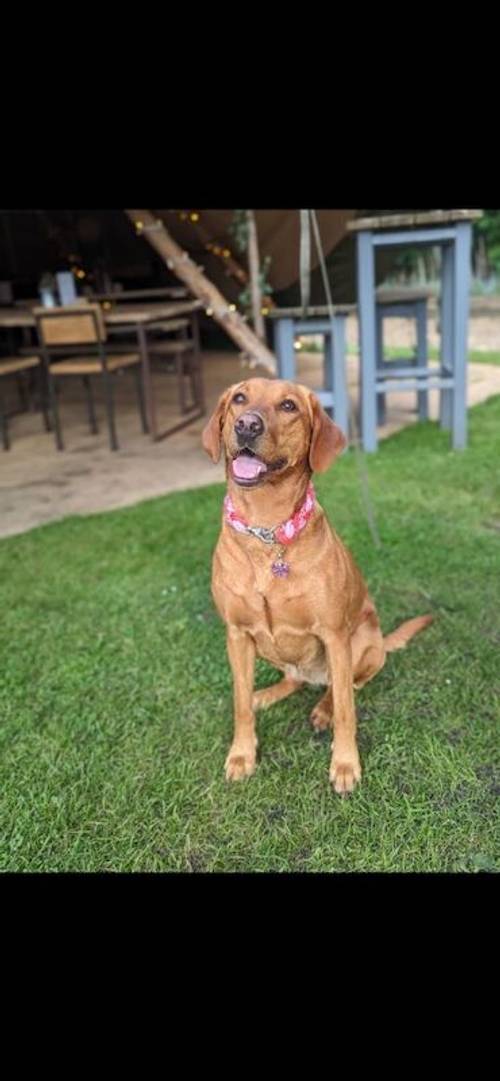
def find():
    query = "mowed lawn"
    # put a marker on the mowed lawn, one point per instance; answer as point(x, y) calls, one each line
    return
point(476, 356)
point(115, 692)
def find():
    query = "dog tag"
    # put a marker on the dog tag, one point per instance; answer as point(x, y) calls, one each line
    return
point(280, 569)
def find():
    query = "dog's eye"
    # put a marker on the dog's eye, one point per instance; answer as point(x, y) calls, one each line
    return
point(288, 406)
point(239, 399)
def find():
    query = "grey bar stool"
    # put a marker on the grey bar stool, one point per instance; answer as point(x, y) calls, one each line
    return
point(288, 323)
point(402, 304)
point(451, 230)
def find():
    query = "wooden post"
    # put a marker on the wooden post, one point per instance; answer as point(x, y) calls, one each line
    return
point(188, 272)
point(253, 268)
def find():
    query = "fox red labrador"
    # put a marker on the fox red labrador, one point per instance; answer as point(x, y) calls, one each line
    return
point(283, 582)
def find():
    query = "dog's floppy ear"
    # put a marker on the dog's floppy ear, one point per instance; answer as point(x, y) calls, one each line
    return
point(211, 435)
point(327, 440)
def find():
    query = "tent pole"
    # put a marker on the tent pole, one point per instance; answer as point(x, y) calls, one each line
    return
point(254, 268)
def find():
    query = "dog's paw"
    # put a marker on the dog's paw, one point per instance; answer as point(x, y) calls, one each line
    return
point(320, 718)
point(240, 763)
point(345, 774)
point(263, 699)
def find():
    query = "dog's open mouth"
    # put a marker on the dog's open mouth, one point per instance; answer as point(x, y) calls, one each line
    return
point(248, 469)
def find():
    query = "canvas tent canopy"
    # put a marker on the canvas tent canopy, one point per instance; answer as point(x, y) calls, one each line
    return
point(32, 241)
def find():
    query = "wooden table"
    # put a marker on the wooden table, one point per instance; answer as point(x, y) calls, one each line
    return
point(175, 292)
point(139, 318)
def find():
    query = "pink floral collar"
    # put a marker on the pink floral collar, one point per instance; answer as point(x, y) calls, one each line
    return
point(280, 535)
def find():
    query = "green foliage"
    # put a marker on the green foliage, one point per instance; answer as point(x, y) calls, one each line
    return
point(116, 699)
point(239, 230)
point(265, 287)
point(489, 227)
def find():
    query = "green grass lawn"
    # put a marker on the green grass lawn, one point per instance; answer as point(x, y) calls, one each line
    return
point(476, 356)
point(115, 693)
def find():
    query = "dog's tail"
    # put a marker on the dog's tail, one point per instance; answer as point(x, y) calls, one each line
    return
point(397, 639)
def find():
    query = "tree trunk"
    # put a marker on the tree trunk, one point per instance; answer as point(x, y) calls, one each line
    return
point(482, 267)
point(187, 271)
point(254, 268)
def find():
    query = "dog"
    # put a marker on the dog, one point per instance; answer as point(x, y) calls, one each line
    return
point(283, 582)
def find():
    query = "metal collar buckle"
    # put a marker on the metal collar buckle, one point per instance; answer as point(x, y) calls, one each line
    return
point(264, 534)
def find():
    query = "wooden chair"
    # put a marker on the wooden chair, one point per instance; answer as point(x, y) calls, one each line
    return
point(76, 334)
point(182, 354)
point(16, 366)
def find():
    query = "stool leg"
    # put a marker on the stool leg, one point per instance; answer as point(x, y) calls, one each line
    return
point(446, 320)
point(339, 365)
point(422, 395)
point(328, 370)
point(460, 316)
point(285, 352)
point(381, 398)
point(367, 339)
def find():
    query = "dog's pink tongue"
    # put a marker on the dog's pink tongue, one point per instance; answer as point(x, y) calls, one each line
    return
point(247, 468)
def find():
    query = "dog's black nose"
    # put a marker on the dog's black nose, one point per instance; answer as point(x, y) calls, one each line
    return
point(249, 426)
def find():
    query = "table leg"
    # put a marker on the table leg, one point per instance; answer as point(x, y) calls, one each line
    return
point(146, 381)
point(367, 339)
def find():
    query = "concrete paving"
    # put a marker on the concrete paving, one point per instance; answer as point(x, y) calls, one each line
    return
point(39, 484)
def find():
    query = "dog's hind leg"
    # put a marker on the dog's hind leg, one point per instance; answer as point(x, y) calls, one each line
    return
point(322, 714)
point(269, 695)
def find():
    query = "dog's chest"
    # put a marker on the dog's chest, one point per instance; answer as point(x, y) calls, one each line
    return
point(279, 614)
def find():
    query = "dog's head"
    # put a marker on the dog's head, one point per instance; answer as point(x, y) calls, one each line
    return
point(267, 427)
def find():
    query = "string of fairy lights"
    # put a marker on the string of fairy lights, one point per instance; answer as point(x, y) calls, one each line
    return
point(218, 312)
point(222, 252)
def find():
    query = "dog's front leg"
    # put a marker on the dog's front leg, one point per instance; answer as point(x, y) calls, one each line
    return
point(241, 759)
point(345, 768)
